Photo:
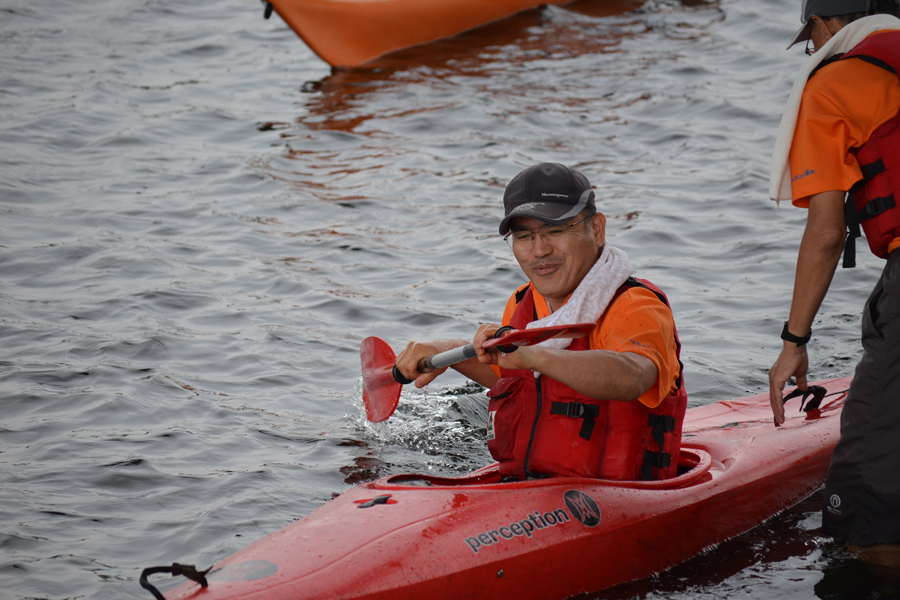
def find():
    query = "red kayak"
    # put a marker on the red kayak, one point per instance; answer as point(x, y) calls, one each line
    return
point(417, 536)
point(350, 32)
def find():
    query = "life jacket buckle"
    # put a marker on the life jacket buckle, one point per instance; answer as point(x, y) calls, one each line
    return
point(578, 410)
point(575, 410)
point(876, 206)
point(665, 423)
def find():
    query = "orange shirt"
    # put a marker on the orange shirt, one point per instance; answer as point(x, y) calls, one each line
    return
point(843, 104)
point(637, 321)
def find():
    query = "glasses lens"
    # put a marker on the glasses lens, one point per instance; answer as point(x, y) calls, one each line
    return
point(552, 231)
point(518, 238)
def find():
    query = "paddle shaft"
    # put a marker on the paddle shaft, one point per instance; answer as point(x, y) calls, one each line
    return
point(438, 361)
point(445, 359)
point(450, 357)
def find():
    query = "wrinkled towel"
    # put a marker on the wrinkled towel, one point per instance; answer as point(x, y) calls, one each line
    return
point(592, 296)
point(843, 41)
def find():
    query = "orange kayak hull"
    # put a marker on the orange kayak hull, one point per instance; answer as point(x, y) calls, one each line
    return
point(347, 33)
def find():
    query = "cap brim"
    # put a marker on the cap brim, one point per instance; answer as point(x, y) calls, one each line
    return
point(802, 35)
point(548, 212)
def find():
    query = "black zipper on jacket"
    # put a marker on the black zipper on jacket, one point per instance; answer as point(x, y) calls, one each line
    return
point(537, 417)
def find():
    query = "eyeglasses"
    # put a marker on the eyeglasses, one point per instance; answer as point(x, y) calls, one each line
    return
point(524, 238)
point(810, 50)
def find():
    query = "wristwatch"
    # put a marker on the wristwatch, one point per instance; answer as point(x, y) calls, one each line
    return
point(787, 336)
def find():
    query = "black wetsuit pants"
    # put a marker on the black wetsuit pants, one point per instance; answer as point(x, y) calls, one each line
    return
point(862, 491)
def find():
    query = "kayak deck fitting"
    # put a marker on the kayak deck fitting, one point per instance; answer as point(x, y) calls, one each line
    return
point(418, 536)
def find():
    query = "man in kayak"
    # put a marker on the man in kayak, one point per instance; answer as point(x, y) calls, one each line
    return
point(841, 134)
point(608, 405)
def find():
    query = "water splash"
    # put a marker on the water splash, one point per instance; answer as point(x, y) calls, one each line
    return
point(448, 426)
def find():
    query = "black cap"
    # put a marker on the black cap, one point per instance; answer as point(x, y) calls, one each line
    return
point(826, 8)
point(549, 192)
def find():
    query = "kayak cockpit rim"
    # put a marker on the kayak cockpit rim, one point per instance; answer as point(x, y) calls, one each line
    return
point(694, 466)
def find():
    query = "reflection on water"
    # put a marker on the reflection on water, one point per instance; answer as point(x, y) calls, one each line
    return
point(846, 576)
point(490, 52)
point(781, 553)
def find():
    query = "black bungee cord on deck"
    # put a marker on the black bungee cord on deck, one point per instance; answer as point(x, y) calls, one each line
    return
point(189, 571)
point(817, 392)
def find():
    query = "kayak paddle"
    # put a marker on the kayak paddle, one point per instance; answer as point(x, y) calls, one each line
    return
point(382, 381)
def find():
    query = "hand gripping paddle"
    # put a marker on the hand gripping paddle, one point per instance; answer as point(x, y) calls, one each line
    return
point(382, 381)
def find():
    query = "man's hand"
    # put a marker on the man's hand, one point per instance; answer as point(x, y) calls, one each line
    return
point(494, 356)
point(408, 360)
point(792, 362)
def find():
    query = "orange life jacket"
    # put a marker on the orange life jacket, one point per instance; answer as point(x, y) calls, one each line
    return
point(538, 426)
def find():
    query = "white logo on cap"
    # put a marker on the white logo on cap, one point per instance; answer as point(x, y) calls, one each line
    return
point(554, 194)
point(529, 206)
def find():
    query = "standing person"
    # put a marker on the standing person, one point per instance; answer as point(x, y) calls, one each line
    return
point(840, 138)
point(609, 405)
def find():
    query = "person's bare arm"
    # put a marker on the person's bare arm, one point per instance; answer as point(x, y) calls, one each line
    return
point(599, 374)
point(820, 250)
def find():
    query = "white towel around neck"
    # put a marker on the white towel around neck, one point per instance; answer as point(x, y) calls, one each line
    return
point(592, 296)
point(843, 41)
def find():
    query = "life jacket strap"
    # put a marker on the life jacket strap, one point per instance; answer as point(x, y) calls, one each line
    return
point(870, 170)
point(659, 425)
point(660, 460)
point(578, 410)
point(851, 218)
point(875, 61)
point(825, 63)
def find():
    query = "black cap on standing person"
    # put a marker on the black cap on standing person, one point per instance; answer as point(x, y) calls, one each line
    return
point(826, 8)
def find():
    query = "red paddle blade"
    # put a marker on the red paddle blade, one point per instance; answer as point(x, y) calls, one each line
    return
point(381, 392)
point(529, 337)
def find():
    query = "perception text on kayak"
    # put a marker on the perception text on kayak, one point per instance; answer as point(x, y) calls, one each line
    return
point(527, 526)
point(582, 507)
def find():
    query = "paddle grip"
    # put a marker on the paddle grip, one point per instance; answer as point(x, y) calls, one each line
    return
point(500, 332)
point(398, 376)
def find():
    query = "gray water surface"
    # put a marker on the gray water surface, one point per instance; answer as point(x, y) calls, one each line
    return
point(200, 221)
